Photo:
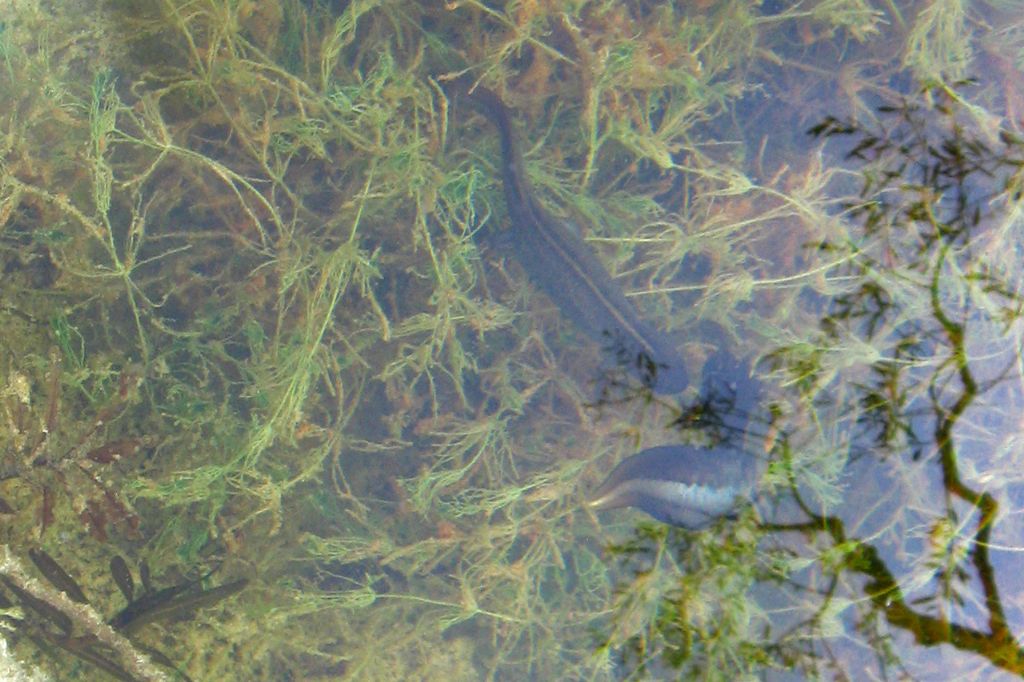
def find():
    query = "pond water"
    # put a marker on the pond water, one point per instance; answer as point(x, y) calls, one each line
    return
point(324, 323)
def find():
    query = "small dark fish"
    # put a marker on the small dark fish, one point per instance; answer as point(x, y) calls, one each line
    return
point(122, 577)
point(57, 576)
point(148, 607)
point(173, 601)
point(680, 485)
point(561, 264)
point(147, 586)
point(40, 606)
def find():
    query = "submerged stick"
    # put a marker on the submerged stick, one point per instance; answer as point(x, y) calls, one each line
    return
point(83, 616)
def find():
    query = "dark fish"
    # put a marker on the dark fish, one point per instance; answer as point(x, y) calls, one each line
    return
point(679, 484)
point(149, 606)
point(122, 577)
point(173, 601)
point(40, 606)
point(57, 576)
point(147, 586)
point(559, 262)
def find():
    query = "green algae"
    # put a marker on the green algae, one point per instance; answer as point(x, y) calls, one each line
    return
point(259, 236)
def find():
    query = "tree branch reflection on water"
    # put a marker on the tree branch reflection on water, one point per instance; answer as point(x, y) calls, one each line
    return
point(934, 257)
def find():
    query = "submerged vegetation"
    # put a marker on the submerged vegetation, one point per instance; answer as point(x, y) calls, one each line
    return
point(257, 315)
point(943, 313)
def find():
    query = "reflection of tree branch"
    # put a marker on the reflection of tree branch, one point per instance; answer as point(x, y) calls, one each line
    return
point(983, 502)
point(942, 184)
point(916, 274)
point(997, 645)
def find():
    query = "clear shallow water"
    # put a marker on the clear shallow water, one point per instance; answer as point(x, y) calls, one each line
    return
point(272, 258)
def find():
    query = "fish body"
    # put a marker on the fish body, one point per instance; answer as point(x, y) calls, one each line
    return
point(561, 264)
point(681, 485)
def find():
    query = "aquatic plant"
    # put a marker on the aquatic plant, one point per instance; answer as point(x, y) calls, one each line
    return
point(266, 248)
point(944, 312)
